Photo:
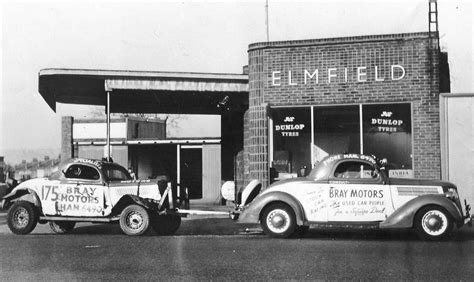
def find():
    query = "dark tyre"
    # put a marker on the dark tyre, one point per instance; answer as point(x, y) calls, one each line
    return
point(278, 220)
point(22, 217)
point(166, 224)
point(134, 220)
point(62, 227)
point(433, 223)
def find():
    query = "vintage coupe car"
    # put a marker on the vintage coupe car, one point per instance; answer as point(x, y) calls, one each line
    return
point(352, 190)
point(85, 190)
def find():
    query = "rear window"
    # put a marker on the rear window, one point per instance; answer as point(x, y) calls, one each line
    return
point(113, 172)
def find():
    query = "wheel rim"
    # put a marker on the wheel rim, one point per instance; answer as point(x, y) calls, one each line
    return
point(434, 223)
point(278, 221)
point(134, 220)
point(21, 218)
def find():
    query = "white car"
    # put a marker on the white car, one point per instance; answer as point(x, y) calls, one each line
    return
point(85, 190)
point(353, 191)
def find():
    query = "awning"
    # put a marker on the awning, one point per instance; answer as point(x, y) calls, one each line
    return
point(146, 92)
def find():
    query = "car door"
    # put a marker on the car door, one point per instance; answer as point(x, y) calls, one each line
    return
point(357, 193)
point(80, 192)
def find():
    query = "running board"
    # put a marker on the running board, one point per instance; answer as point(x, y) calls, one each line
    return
point(80, 219)
point(345, 225)
point(200, 212)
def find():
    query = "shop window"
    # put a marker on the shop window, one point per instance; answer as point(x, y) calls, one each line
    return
point(388, 134)
point(336, 131)
point(291, 142)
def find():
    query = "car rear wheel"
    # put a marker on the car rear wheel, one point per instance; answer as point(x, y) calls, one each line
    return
point(22, 217)
point(134, 220)
point(62, 227)
point(433, 223)
point(165, 224)
point(278, 220)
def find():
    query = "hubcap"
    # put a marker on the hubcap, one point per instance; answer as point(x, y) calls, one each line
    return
point(134, 220)
point(21, 217)
point(434, 223)
point(278, 221)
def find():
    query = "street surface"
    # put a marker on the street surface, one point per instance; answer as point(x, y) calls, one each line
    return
point(219, 249)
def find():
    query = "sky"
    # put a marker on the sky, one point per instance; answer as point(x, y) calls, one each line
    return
point(183, 36)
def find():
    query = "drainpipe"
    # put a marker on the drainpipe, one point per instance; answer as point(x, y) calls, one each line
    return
point(108, 126)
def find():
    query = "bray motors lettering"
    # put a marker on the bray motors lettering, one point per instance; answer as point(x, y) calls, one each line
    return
point(357, 203)
point(337, 75)
point(71, 200)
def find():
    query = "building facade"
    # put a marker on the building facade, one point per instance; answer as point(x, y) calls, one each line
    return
point(142, 145)
point(368, 94)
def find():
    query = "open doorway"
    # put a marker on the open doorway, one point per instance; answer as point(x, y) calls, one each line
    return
point(191, 170)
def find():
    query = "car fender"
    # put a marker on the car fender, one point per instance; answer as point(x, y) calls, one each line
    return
point(127, 200)
point(405, 215)
point(253, 211)
point(24, 194)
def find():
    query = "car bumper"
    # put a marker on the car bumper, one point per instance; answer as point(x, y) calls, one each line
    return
point(468, 217)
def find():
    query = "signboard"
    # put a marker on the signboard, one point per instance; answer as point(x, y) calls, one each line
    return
point(356, 203)
point(72, 200)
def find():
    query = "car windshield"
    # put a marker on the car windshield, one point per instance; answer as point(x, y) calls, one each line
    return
point(317, 172)
point(113, 172)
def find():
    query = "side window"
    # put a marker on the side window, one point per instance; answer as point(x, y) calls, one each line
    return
point(82, 172)
point(355, 170)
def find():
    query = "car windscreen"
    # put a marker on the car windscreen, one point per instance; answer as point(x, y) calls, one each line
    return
point(318, 172)
point(114, 172)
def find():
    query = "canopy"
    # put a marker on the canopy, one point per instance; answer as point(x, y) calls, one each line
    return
point(146, 92)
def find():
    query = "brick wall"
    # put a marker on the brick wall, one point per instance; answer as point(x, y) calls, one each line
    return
point(66, 138)
point(340, 82)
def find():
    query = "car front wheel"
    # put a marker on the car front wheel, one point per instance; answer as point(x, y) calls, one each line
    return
point(22, 217)
point(134, 220)
point(433, 223)
point(278, 220)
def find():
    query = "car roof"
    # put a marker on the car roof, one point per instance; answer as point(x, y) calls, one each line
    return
point(333, 158)
point(93, 162)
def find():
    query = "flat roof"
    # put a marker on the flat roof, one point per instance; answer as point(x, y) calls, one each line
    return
point(146, 91)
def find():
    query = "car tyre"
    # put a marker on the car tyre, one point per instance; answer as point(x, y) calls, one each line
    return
point(433, 223)
point(22, 217)
point(165, 224)
point(134, 220)
point(62, 227)
point(278, 220)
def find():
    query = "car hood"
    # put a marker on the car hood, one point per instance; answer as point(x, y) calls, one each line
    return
point(420, 182)
point(291, 181)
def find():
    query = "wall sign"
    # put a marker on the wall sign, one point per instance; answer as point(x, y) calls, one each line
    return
point(338, 75)
point(385, 123)
point(289, 127)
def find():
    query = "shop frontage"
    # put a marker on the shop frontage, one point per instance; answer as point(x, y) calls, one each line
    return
point(373, 95)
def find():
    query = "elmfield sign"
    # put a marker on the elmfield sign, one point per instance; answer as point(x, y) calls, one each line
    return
point(338, 75)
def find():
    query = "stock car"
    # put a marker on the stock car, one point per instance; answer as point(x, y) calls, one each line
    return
point(86, 190)
point(353, 191)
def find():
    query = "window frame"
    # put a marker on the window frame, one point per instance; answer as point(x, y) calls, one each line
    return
point(377, 180)
point(64, 177)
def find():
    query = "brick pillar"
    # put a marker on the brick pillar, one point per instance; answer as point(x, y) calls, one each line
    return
point(66, 138)
point(256, 141)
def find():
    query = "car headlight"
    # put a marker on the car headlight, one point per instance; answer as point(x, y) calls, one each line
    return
point(452, 193)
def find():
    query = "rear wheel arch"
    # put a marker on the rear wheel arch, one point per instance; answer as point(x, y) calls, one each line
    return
point(126, 201)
